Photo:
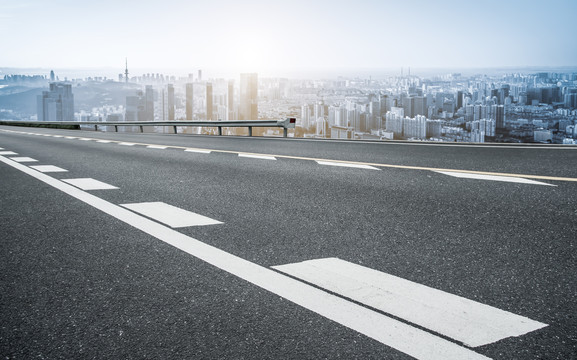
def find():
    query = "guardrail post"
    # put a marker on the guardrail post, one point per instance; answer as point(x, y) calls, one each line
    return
point(115, 128)
point(284, 132)
point(95, 127)
point(250, 131)
point(220, 130)
point(175, 130)
point(141, 128)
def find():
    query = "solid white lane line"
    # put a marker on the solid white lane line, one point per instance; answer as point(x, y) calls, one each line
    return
point(398, 335)
point(48, 168)
point(253, 156)
point(494, 178)
point(159, 147)
point(126, 144)
point(23, 159)
point(104, 141)
point(170, 215)
point(200, 151)
point(465, 320)
point(357, 166)
point(8, 153)
point(89, 184)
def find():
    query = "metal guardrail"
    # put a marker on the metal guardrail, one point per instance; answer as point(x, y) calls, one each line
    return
point(288, 123)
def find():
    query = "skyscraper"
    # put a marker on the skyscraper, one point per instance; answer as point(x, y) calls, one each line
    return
point(170, 102)
point(231, 115)
point(248, 107)
point(189, 101)
point(57, 104)
point(149, 108)
point(209, 109)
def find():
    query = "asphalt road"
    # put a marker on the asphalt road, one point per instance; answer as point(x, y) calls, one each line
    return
point(81, 282)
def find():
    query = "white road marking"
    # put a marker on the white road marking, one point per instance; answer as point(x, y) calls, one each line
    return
point(70, 137)
point(104, 141)
point(48, 168)
point(398, 335)
point(8, 153)
point(253, 156)
point(465, 320)
point(170, 215)
point(200, 151)
point(1, 148)
point(23, 159)
point(126, 144)
point(57, 136)
point(159, 147)
point(84, 139)
point(89, 184)
point(358, 166)
point(494, 178)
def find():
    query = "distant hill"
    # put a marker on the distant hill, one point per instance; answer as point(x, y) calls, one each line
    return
point(21, 102)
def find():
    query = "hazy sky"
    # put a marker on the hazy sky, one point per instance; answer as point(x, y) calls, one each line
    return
point(249, 35)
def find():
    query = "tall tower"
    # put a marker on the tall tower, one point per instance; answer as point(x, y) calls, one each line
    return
point(170, 101)
point(248, 107)
point(231, 100)
point(126, 71)
point(208, 101)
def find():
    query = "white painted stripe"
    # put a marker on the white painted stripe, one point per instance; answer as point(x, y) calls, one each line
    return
point(8, 153)
point(126, 144)
point(357, 166)
point(494, 178)
point(200, 151)
point(89, 184)
point(468, 321)
point(57, 136)
point(70, 137)
point(170, 215)
point(398, 335)
point(84, 139)
point(253, 156)
point(104, 141)
point(48, 168)
point(23, 159)
point(1, 148)
point(156, 147)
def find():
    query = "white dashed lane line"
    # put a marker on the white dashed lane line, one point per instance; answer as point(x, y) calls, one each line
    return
point(23, 159)
point(159, 147)
point(48, 168)
point(470, 322)
point(494, 178)
point(170, 215)
point(8, 153)
point(103, 141)
point(126, 144)
point(89, 184)
point(200, 151)
point(350, 165)
point(255, 156)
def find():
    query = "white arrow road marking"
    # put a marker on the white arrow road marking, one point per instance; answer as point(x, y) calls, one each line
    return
point(357, 166)
point(417, 343)
point(170, 215)
point(48, 168)
point(468, 321)
point(89, 184)
point(494, 178)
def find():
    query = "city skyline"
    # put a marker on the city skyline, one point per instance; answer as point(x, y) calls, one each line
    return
point(258, 36)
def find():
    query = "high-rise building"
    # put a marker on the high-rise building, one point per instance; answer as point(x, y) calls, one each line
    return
point(170, 101)
point(149, 107)
point(499, 116)
point(189, 101)
point(231, 112)
point(57, 104)
point(248, 107)
point(209, 109)
point(52, 78)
